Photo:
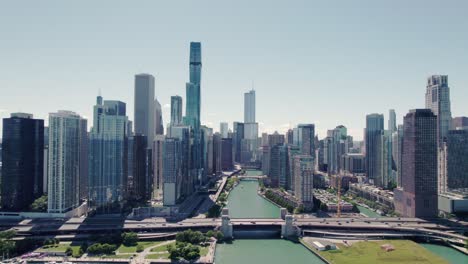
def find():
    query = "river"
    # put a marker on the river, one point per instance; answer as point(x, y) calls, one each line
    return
point(244, 202)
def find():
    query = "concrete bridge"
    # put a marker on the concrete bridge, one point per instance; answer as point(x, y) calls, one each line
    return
point(287, 224)
point(252, 177)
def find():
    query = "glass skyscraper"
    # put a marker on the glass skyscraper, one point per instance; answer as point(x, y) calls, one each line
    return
point(144, 112)
point(23, 160)
point(438, 100)
point(374, 129)
point(108, 154)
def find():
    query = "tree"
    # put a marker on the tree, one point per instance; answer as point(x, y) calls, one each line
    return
point(222, 197)
point(130, 239)
point(69, 251)
point(214, 211)
point(139, 248)
point(39, 205)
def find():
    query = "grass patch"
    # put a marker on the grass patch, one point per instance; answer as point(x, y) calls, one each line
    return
point(132, 249)
point(203, 251)
point(370, 252)
point(158, 256)
point(162, 248)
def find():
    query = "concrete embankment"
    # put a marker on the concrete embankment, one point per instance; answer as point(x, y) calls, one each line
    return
point(310, 248)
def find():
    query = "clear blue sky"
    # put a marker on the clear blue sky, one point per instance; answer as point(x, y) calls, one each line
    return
point(323, 62)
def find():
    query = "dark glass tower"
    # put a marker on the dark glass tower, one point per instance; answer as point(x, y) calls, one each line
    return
point(23, 161)
point(457, 161)
point(418, 195)
point(374, 129)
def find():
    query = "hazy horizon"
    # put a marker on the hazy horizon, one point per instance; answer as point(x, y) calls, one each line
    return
point(310, 62)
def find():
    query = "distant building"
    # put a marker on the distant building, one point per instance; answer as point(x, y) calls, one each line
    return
point(171, 171)
point(354, 163)
point(226, 154)
point(157, 156)
point(459, 123)
point(22, 161)
point(303, 175)
point(137, 176)
point(144, 112)
point(224, 129)
point(158, 120)
point(250, 128)
point(64, 157)
point(392, 127)
point(454, 162)
point(418, 195)
point(305, 139)
point(176, 110)
point(290, 167)
point(438, 100)
point(373, 132)
point(237, 140)
point(278, 165)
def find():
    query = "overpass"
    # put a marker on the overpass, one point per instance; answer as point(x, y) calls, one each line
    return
point(252, 177)
point(76, 227)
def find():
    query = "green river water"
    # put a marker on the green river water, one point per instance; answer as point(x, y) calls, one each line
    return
point(243, 202)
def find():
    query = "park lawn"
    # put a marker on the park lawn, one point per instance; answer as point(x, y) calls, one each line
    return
point(204, 251)
point(132, 249)
point(158, 256)
point(406, 251)
point(162, 248)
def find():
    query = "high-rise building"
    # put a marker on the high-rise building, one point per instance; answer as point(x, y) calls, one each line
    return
point(182, 133)
point(138, 182)
point(456, 162)
point(176, 110)
point(460, 122)
point(144, 112)
point(238, 138)
point(392, 127)
point(303, 176)
point(290, 180)
point(108, 154)
point(306, 139)
point(417, 196)
point(385, 177)
point(373, 132)
point(397, 148)
point(438, 100)
point(171, 171)
point(250, 125)
point(158, 121)
point(226, 154)
point(157, 156)
point(64, 159)
point(224, 129)
point(22, 161)
point(278, 165)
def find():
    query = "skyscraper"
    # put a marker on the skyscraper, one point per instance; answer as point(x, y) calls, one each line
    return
point(223, 129)
point(64, 157)
point(373, 132)
point(193, 96)
point(226, 154)
point(22, 161)
point(278, 165)
point(457, 162)
point(176, 110)
point(144, 113)
point(238, 138)
point(139, 184)
point(303, 170)
point(250, 127)
point(249, 107)
point(418, 195)
point(158, 121)
point(392, 121)
point(157, 156)
point(438, 100)
point(171, 171)
point(460, 122)
point(108, 154)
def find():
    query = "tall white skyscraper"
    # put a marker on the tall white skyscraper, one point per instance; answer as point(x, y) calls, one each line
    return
point(392, 127)
point(144, 111)
point(64, 156)
point(438, 100)
point(250, 126)
point(249, 107)
point(223, 129)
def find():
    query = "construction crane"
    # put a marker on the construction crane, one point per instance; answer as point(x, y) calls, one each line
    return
point(338, 208)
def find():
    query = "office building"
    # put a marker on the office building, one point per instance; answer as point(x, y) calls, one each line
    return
point(278, 166)
point(417, 196)
point(157, 163)
point(303, 176)
point(139, 183)
point(108, 154)
point(226, 154)
point(250, 127)
point(22, 161)
point(438, 100)
point(176, 110)
point(171, 171)
point(158, 121)
point(237, 140)
point(459, 123)
point(454, 171)
point(144, 111)
point(224, 129)
point(305, 139)
point(373, 132)
point(64, 159)
point(392, 127)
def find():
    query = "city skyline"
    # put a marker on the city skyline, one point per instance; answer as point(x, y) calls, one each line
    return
point(306, 73)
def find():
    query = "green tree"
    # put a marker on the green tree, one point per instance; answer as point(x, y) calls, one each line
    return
point(39, 205)
point(69, 251)
point(130, 239)
point(140, 248)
